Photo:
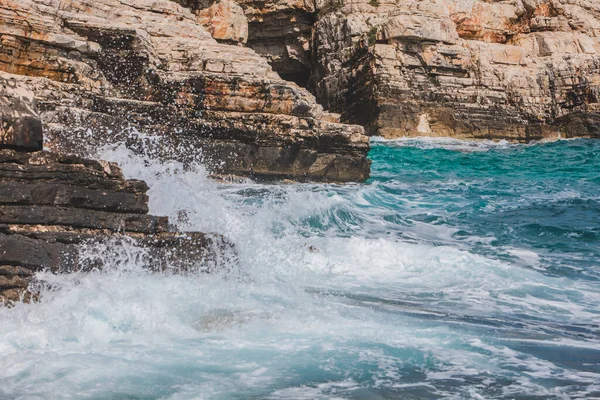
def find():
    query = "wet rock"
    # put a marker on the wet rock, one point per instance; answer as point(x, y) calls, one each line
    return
point(55, 207)
point(20, 125)
point(52, 206)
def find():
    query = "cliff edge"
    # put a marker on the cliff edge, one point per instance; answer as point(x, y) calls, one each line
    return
point(51, 204)
point(519, 70)
point(105, 71)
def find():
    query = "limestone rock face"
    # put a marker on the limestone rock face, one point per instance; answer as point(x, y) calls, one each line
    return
point(517, 70)
point(107, 70)
point(20, 125)
point(225, 20)
point(493, 69)
point(281, 31)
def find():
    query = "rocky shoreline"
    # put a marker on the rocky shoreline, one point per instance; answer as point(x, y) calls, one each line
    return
point(103, 69)
point(51, 204)
point(516, 70)
point(260, 88)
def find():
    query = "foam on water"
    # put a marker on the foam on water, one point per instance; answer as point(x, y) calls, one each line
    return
point(444, 143)
point(404, 287)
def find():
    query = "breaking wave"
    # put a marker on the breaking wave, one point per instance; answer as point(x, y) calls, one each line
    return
point(452, 273)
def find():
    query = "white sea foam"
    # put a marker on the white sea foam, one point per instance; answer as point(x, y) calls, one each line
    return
point(527, 257)
point(425, 142)
point(321, 313)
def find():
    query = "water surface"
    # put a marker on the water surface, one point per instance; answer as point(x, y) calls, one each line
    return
point(460, 270)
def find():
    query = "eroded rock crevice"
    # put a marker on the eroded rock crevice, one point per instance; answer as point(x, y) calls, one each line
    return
point(279, 31)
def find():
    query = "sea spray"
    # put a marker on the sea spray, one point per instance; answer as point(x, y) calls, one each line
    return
point(452, 273)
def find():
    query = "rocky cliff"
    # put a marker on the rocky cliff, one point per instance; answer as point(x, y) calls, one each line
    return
point(51, 204)
point(204, 77)
point(107, 70)
point(229, 83)
point(486, 69)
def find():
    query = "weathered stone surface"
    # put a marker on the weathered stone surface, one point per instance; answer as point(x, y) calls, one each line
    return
point(472, 69)
point(46, 217)
point(51, 204)
point(25, 250)
point(281, 31)
point(510, 69)
point(55, 206)
point(225, 20)
point(38, 167)
point(56, 194)
point(106, 68)
point(20, 126)
point(81, 218)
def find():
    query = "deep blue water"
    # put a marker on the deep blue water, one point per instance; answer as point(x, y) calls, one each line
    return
point(460, 270)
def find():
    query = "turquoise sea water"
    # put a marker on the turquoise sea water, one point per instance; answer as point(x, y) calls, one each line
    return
point(460, 270)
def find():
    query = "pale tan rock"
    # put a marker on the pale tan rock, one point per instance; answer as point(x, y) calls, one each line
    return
point(225, 20)
point(424, 24)
point(513, 69)
point(486, 21)
point(517, 70)
point(102, 67)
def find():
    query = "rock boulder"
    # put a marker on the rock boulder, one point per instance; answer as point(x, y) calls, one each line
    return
point(225, 20)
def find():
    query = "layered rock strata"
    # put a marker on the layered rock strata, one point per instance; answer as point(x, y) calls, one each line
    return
point(103, 69)
point(51, 204)
point(280, 31)
point(494, 69)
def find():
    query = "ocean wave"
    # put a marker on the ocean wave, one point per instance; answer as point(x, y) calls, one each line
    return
point(405, 287)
